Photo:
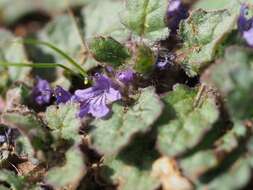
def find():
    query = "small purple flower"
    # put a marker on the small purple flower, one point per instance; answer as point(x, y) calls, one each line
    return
point(245, 24)
point(126, 76)
point(94, 100)
point(61, 95)
point(176, 12)
point(42, 92)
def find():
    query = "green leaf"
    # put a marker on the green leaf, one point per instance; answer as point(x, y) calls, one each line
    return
point(188, 117)
point(63, 121)
point(109, 136)
point(96, 24)
point(213, 5)
point(12, 51)
point(202, 34)
point(146, 18)
point(144, 59)
point(70, 174)
point(15, 182)
point(108, 50)
point(132, 168)
point(218, 157)
point(64, 34)
point(234, 78)
point(29, 125)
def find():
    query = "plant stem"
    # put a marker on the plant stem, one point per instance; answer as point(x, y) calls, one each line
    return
point(59, 51)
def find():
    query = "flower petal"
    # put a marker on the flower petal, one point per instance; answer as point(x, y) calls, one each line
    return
point(248, 36)
point(112, 95)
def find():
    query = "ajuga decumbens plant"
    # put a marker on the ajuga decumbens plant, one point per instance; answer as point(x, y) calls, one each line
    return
point(127, 95)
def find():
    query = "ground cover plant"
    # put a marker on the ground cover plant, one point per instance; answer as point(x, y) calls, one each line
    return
point(126, 94)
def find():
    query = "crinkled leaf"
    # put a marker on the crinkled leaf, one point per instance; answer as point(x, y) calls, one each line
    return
point(213, 5)
point(108, 136)
point(234, 78)
point(28, 123)
point(132, 168)
point(232, 177)
point(63, 121)
point(202, 33)
point(189, 118)
point(70, 174)
point(144, 59)
point(108, 50)
point(219, 153)
point(146, 18)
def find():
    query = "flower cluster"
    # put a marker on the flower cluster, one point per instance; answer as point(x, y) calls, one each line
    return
point(93, 100)
point(245, 24)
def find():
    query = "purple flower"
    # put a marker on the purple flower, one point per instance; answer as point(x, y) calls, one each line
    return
point(176, 12)
point(245, 24)
point(61, 95)
point(94, 100)
point(42, 92)
point(126, 76)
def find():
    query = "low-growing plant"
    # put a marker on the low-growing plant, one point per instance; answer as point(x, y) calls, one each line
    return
point(128, 95)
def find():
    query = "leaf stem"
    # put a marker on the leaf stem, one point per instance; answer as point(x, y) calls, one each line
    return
point(35, 65)
point(59, 51)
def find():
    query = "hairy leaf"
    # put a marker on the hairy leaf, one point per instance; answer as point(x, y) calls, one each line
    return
point(144, 59)
point(63, 121)
point(108, 50)
point(202, 33)
point(28, 123)
point(132, 168)
point(189, 118)
point(70, 174)
point(146, 18)
point(234, 78)
point(109, 136)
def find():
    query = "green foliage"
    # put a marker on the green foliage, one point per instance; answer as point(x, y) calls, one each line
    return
point(233, 76)
point(109, 136)
point(16, 183)
point(63, 121)
point(131, 169)
point(196, 135)
point(29, 124)
point(189, 116)
point(70, 174)
point(144, 59)
point(202, 34)
point(146, 18)
point(12, 51)
point(108, 50)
